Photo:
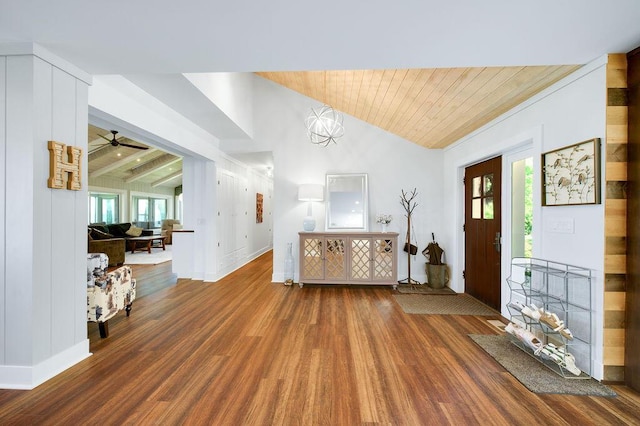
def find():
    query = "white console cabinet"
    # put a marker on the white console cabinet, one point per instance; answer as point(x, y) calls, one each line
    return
point(362, 258)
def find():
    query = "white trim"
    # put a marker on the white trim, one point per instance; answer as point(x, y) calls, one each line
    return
point(34, 49)
point(169, 198)
point(224, 272)
point(532, 136)
point(123, 202)
point(29, 377)
point(508, 158)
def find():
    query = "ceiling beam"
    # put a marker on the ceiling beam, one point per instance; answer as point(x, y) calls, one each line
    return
point(103, 151)
point(167, 178)
point(150, 167)
point(119, 163)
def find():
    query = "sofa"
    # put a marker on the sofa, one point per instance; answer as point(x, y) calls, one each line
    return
point(111, 240)
point(166, 229)
point(107, 292)
point(114, 248)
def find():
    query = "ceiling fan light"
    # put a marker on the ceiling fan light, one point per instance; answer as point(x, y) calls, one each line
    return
point(324, 125)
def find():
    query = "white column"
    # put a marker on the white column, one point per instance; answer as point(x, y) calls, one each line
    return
point(200, 215)
point(42, 231)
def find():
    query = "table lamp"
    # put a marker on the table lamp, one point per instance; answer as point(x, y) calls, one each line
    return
point(310, 192)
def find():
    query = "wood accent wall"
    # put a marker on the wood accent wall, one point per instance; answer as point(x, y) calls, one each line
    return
point(615, 196)
point(632, 340)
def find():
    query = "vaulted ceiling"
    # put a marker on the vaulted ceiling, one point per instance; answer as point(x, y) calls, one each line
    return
point(430, 107)
point(149, 165)
point(429, 71)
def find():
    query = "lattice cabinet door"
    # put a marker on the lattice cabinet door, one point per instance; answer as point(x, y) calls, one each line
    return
point(335, 258)
point(360, 259)
point(312, 258)
point(383, 259)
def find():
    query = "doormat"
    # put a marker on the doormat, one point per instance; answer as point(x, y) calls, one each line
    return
point(497, 324)
point(459, 304)
point(534, 375)
point(424, 289)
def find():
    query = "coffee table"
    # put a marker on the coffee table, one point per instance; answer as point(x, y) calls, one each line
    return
point(144, 243)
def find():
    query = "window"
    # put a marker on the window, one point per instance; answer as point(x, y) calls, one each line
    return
point(482, 203)
point(522, 208)
point(103, 207)
point(150, 210)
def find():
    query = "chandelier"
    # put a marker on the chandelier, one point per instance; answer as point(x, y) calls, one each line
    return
point(324, 125)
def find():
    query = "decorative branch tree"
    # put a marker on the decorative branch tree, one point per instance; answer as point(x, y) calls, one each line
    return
point(408, 203)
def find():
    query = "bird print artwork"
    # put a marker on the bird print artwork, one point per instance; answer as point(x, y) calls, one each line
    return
point(570, 174)
point(584, 158)
point(563, 182)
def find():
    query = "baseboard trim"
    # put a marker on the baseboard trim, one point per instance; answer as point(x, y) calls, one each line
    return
point(29, 377)
point(216, 276)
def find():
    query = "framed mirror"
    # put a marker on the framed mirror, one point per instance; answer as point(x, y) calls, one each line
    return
point(347, 202)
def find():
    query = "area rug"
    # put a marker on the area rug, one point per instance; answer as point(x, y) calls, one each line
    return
point(459, 304)
point(156, 256)
point(534, 375)
point(424, 289)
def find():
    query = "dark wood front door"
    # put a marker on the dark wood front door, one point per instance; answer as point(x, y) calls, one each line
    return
point(482, 231)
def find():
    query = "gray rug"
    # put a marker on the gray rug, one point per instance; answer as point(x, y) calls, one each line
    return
point(424, 289)
point(459, 304)
point(532, 374)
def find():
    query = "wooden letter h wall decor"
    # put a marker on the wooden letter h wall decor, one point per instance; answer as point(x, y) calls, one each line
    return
point(59, 165)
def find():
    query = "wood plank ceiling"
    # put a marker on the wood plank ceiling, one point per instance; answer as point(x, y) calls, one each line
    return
point(430, 107)
point(150, 166)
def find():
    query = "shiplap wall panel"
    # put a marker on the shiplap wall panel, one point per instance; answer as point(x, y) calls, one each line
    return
point(81, 207)
point(65, 225)
point(19, 321)
point(3, 181)
point(44, 304)
point(44, 222)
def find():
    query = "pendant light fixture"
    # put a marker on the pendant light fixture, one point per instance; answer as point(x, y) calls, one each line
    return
point(324, 125)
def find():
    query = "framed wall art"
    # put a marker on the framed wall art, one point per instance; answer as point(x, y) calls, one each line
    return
point(571, 175)
point(259, 207)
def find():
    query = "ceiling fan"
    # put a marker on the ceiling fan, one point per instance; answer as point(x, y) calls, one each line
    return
point(116, 142)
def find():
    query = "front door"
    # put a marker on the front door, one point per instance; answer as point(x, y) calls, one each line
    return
point(482, 231)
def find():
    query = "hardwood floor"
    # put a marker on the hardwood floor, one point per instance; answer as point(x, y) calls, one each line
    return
point(246, 351)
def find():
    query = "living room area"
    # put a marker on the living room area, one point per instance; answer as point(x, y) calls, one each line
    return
point(135, 198)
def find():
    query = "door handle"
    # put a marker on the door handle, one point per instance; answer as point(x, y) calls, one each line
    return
point(497, 243)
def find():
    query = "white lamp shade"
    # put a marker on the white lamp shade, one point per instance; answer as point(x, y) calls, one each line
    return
point(311, 192)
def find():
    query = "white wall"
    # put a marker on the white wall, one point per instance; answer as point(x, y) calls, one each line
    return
point(571, 111)
point(116, 101)
point(231, 92)
point(392, 164)
point(239, 238)
point(42, 231)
